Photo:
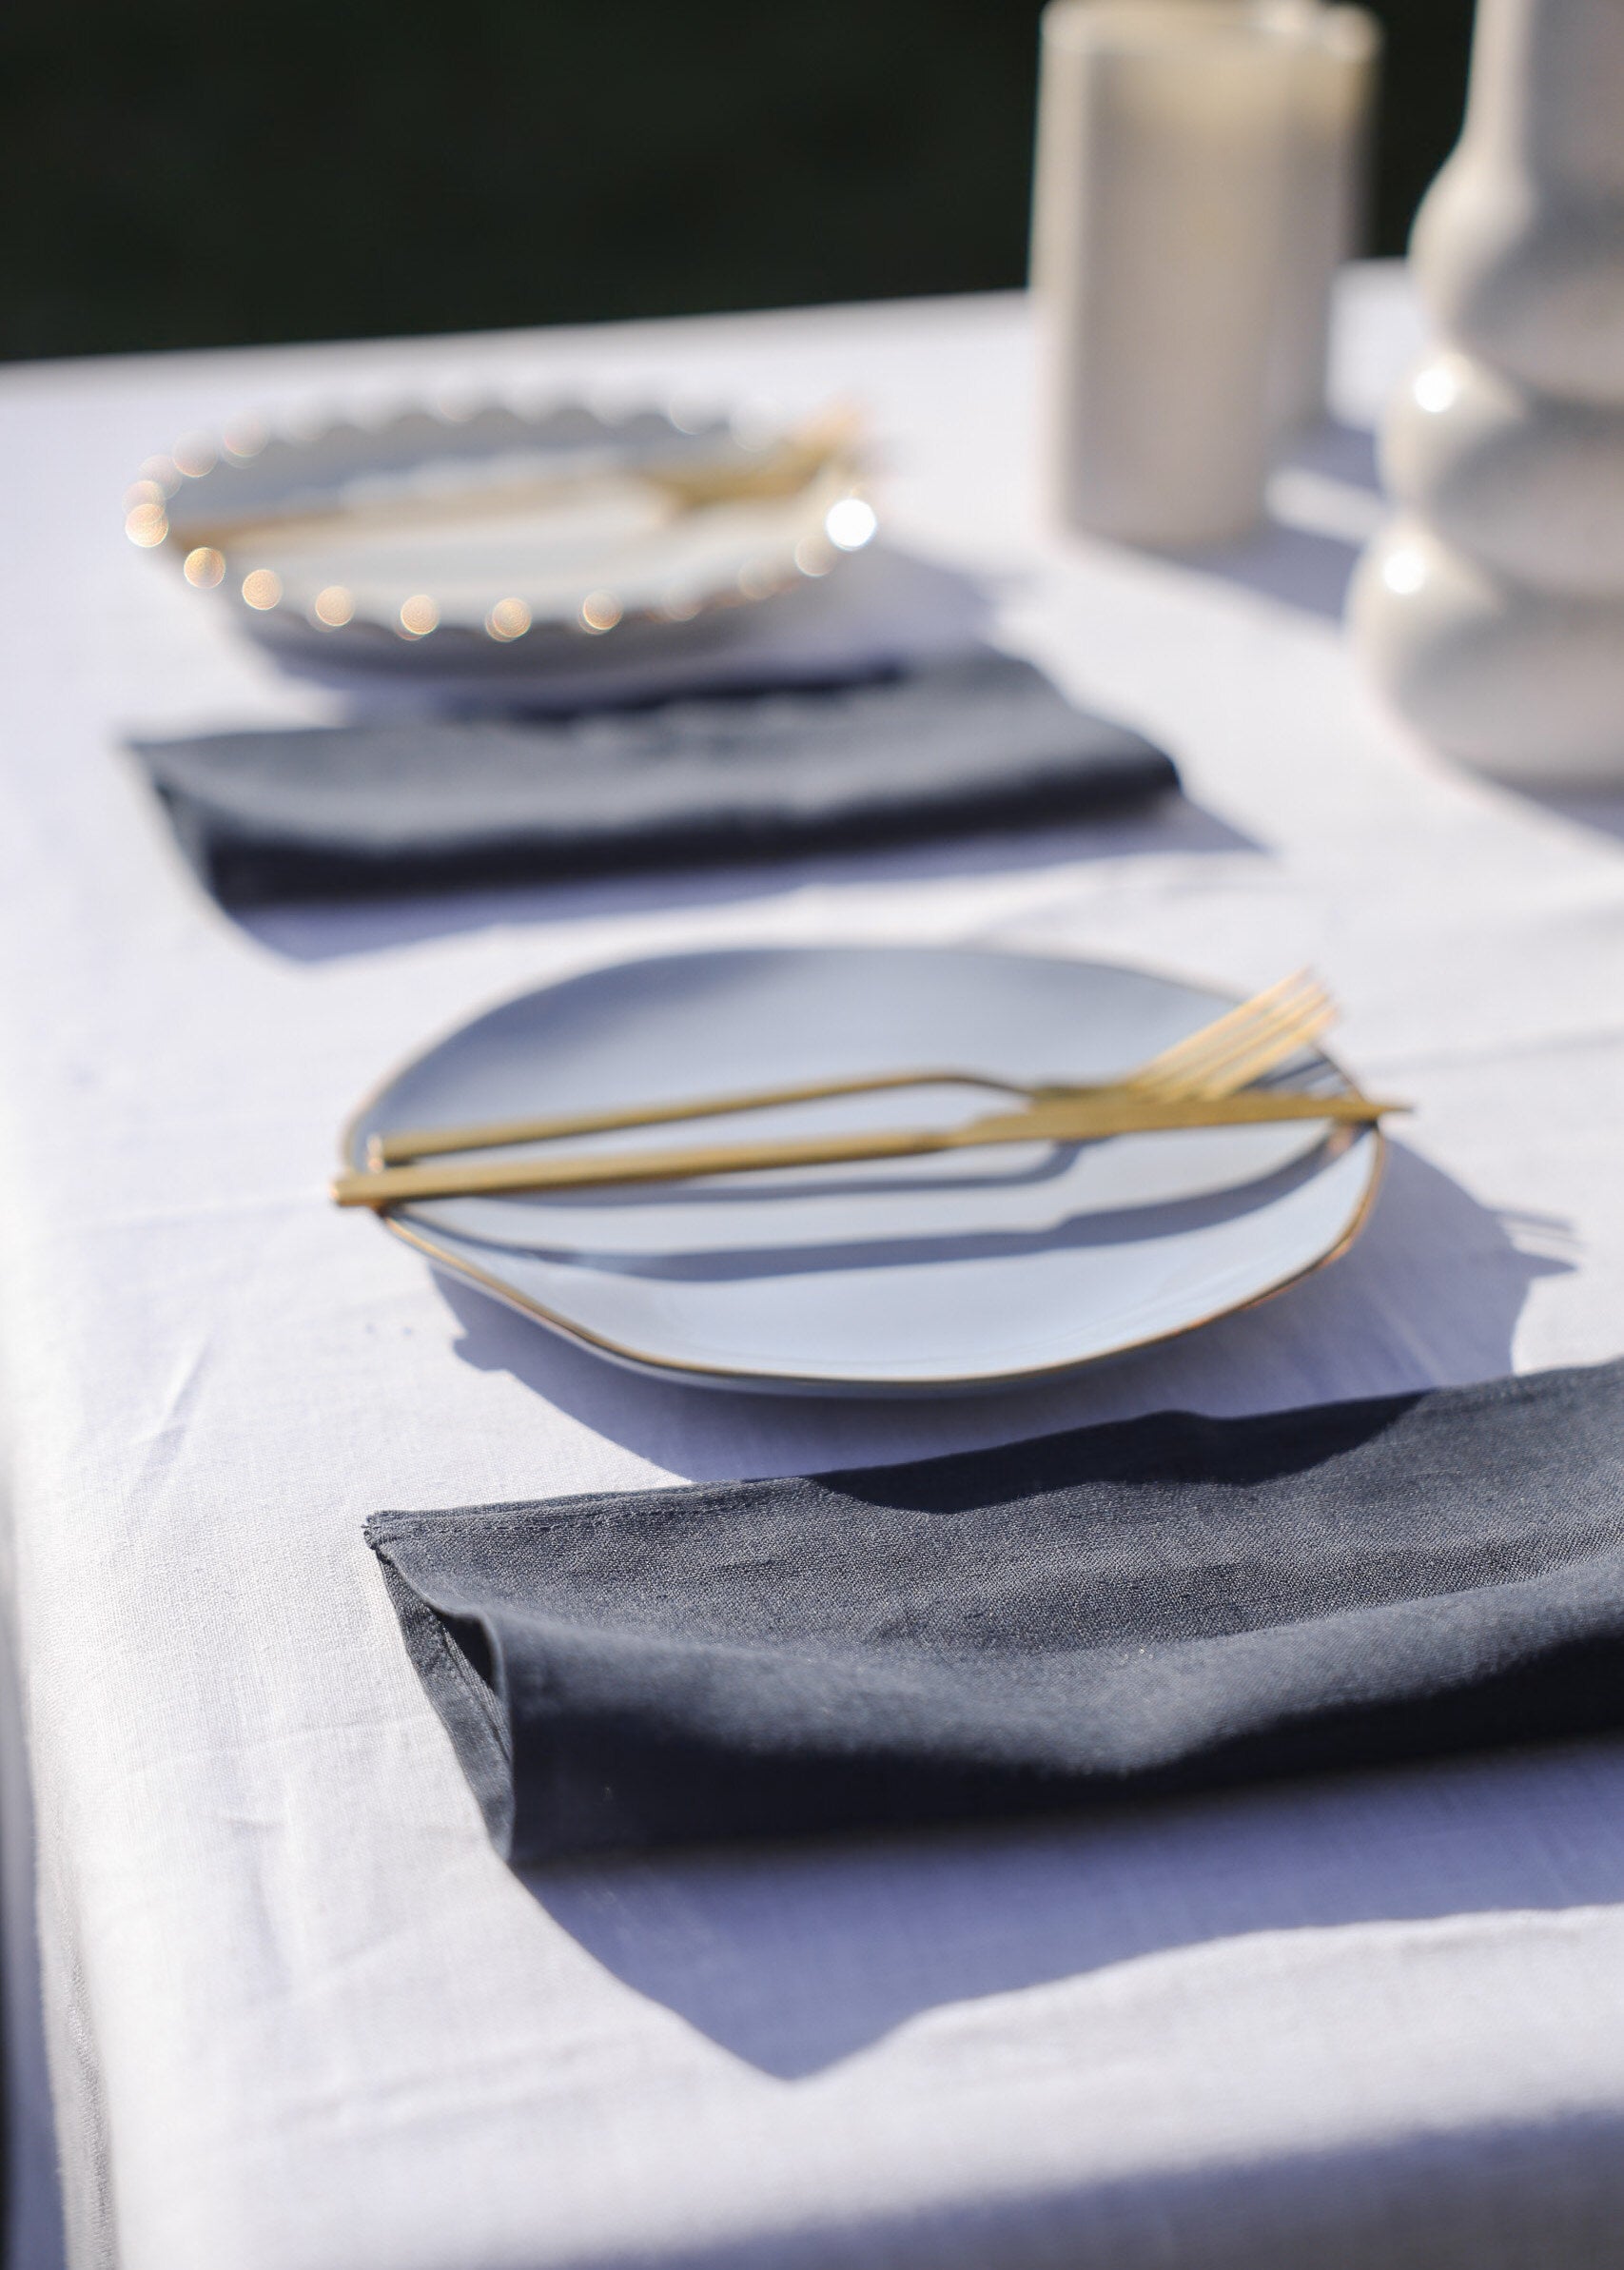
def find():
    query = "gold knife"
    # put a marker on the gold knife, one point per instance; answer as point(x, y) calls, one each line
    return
point(1085, 1119)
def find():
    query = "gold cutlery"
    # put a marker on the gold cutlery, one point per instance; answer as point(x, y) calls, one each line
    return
point(1238, 1047)
point(1078, 1119)
point(783, 470)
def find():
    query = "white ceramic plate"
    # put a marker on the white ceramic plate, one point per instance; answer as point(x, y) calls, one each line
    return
point(930, 1276)
point(499, 540)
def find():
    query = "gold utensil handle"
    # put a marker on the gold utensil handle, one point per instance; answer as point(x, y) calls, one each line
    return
point(434, 1142)
point(1217, 1059)
point(792, 463)
point(783, 470)
point(1084, 1120)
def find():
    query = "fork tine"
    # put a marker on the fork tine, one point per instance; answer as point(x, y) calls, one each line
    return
point(1268, 1051)
point(1313, 1007)
point(1269, 1044)
point(1218, 1065)
point(1205, 1053)
point(1240, 1018)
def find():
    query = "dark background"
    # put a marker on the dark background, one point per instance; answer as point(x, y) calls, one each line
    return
point(176, 174)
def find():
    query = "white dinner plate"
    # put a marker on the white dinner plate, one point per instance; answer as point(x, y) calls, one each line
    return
point(934, 1275)
point(501, 542)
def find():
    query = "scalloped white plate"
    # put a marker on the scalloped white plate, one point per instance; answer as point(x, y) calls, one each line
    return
point(500, 540)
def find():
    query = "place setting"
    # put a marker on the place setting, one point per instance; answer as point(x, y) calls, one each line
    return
point(574, 642)
point(775, 1170)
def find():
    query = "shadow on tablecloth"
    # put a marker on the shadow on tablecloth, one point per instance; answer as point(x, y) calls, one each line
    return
point(1323, 509)
point(1600, 810)
point(1543, 2194)
point(1428, 1296)
point(794, 1957)
point(1172, 827)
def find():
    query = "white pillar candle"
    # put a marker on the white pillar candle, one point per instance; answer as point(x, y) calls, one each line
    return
point(1171, 238)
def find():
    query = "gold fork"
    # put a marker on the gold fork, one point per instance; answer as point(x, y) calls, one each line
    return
point(1087, 1119)
point(1199, 1088)
point(789, 466)
point(1239, 1045)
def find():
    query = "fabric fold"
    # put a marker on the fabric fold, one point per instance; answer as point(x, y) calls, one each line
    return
point(1166, 1603)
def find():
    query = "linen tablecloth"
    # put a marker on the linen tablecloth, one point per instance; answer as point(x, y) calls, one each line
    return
point(296, 2013)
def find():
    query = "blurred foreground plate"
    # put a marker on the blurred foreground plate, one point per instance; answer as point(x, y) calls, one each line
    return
point(502, 543)
point(922, 1276)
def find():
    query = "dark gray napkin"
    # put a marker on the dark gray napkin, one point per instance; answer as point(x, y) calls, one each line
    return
point(982, 740)
point(1166, 1603)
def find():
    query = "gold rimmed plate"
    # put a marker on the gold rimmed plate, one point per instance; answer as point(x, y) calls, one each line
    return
point(930, 1276)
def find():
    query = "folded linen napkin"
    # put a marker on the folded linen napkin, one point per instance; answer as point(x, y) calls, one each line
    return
point(981, 740)
point(1166, 1603)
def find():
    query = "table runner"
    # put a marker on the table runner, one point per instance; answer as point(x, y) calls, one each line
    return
point(300, 2015)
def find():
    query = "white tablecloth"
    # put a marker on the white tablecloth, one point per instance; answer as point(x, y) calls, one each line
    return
point(299, 2015)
